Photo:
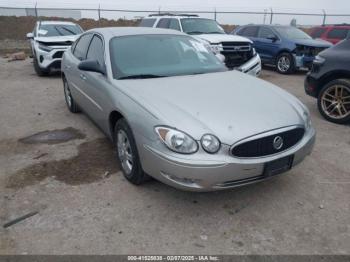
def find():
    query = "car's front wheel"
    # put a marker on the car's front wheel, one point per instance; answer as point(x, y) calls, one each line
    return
point(71, 104)
point(127, 154)
point(285, 63)
point(334, 101)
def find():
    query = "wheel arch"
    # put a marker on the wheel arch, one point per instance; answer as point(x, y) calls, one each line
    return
point(114, 116)
point(330, 76)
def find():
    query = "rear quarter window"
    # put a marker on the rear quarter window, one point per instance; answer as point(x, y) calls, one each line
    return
point(318, 32)
point(338, 33)
point(148, 22)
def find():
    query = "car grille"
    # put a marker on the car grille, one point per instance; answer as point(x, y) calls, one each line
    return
point(236, 53)
point(265, 146)
point(58, 54)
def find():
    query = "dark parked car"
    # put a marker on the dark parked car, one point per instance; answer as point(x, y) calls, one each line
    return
point(286, 47)
point(329, 82)
point(331, 33)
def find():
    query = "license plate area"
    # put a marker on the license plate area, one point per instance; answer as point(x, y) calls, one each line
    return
point(278, 166)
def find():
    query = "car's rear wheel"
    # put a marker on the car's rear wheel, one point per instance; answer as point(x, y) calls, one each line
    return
point(334, 101)
point(285, 64)
point(71, 104)
point(127, 154)
point(38, 70)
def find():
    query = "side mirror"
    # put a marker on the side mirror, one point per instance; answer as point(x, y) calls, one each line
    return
point(30, 35)
point(273, 38)
point(91, 66)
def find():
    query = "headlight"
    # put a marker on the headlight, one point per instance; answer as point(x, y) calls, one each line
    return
point(177, 140)
point(307, 119)
point(210, 143)
point(319, 60)
point(216, 48)
point(254, 51)
point(45, 48)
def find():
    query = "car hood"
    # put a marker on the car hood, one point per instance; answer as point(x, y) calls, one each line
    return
point(313, 42)
point(57, 39)
point(230, 105)
point(218, 38)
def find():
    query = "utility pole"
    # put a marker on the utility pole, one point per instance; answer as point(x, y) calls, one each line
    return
point(215, 13)
point(265, 14)
point(324, 17)
point(271, 18)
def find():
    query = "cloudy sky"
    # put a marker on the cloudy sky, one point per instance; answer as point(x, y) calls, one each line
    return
point(301, 6)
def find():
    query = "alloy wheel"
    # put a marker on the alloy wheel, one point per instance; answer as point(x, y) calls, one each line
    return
point(124, 152)
point(335, 102)
point(283, 64)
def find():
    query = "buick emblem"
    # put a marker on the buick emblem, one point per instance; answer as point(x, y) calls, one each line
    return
point(277, 142)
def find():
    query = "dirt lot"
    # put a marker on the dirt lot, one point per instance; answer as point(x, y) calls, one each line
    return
point(84, 210)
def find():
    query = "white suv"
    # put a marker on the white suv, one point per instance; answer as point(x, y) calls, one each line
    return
point(237, 52)
point(48, 41)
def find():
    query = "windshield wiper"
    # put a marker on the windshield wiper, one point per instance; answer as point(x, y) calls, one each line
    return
point(68, 30)
point(215, 33)
point(59, 31)
point(194, 33)
point(141, 76)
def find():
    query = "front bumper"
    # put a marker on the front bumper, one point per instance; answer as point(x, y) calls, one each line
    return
point(188, 172)
point(311, 85)
point(52, 59)
point(252, 67)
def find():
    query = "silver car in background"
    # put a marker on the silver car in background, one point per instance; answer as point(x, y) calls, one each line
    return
point(175, 113)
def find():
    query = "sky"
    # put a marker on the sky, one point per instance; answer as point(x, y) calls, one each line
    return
point(300, 6)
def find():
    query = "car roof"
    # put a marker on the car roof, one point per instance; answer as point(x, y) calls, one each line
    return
point(155, 16)
point(56, 23)
point(127, 31)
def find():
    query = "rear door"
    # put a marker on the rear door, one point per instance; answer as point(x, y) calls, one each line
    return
point(267, 47)
point(73, 74)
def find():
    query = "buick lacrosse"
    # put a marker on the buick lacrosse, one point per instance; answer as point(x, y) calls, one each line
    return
point(176, 113)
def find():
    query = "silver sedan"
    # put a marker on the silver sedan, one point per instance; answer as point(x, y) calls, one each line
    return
point(175, 113)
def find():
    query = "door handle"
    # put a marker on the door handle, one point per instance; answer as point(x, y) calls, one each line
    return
point(82, 76)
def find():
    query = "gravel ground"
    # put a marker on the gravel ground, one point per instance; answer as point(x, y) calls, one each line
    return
point(86, 206)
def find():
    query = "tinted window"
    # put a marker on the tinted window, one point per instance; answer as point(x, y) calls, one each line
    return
point(81, 47)
point(96, 51)
point(196, 26)
point(147, 22)
point(163, 23)
point(338, 33)
point(250, 31)
point(58, 30)
point(265, 32)
point(317, 33)
point(174, 24)
point(161, 55)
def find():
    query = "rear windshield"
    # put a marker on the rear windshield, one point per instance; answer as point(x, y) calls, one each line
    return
point(59, 30)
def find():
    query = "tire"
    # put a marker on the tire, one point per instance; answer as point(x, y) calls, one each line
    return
point(38, 70)
point(331, 101)
point(285, 63)
point(71, 104)
point(127, 154)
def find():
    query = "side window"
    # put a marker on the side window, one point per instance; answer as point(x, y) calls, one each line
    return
point(82, 46)
point(250, 31)
point(174, 24)
point(163, 23)
point(147, 22)
point(265, 32)
point(96, 50)
point(318, 32)
point(338, 33)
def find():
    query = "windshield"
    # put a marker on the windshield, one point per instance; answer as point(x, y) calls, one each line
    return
point(292, 33)
point(59, 30)
point(150, 56)
point(194, 26)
